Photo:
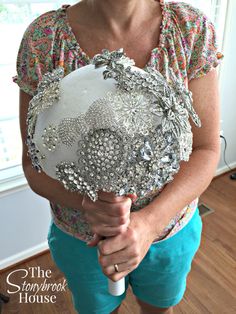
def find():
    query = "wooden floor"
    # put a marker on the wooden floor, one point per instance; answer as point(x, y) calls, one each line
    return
point(211, 284)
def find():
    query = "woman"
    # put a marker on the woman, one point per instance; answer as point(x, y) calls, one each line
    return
point(155, 246)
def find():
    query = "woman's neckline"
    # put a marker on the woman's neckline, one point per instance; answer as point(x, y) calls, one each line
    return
point(88, 60)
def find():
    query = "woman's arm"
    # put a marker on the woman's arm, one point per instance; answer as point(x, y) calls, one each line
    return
point(195, 175)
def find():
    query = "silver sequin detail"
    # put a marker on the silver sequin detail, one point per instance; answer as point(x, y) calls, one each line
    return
point(166, 91)
point(70, 129)
point(33, 152)
point(116, 57)
point(50, 138)
point(112, 161)
point(47, 92)
point(135, 111)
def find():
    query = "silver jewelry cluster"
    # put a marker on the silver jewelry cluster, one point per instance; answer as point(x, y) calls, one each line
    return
point(130, 141)
point(47, 93)
point(50, 138)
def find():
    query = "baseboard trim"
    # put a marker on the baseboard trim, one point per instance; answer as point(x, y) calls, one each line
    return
point(225, 169)
point(23, 256)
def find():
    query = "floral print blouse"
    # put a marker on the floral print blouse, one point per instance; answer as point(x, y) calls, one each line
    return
point(187, 43)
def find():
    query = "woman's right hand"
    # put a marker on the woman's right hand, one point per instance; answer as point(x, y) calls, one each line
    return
point(109, 215)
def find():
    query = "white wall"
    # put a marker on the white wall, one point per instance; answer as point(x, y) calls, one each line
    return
point(228, 88)
point(24, 222)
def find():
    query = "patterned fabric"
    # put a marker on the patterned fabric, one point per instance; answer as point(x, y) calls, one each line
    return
point(187, 43)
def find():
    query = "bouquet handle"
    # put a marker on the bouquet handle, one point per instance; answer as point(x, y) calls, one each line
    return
point(117, 288)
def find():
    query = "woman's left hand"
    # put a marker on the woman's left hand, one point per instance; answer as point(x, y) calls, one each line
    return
point(127, 249)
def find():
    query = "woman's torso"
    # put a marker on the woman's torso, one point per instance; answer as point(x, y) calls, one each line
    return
point(55, 44)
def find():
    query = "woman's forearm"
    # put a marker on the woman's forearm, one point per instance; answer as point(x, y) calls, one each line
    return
point(189, 183)
point(51, 189)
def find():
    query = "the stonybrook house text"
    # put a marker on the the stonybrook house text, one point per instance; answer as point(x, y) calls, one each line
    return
point(35, 292)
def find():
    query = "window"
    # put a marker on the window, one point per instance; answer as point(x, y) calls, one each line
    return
point(15, 16)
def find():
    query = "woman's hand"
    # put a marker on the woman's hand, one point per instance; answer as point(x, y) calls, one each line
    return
point(127, 249)
point(108, 216)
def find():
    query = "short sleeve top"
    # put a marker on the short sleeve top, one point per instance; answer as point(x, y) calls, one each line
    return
point(187, 44)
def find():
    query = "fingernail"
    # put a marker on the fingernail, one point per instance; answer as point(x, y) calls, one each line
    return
point(90, 241)
point(133, 197)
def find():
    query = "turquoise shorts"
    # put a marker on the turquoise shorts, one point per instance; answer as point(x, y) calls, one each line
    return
point(160, 279)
